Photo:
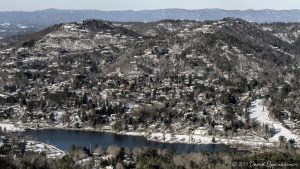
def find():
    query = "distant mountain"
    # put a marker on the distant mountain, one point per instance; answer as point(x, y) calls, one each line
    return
point(53, 16)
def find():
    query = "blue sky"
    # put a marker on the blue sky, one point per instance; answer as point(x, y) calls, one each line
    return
point(29, 5)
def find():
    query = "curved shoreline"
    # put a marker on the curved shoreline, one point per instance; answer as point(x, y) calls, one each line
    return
point(238, 146)
point(251, 143)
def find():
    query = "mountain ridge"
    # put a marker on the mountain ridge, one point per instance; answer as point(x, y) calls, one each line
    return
point(54, 16)
point(173, 73)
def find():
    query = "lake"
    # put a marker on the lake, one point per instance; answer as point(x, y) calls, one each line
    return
point(63, 139)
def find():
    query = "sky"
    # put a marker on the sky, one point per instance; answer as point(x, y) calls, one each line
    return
point(108, 5)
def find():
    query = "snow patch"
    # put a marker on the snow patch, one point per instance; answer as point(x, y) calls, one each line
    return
point(9, 127)
point(5, 24)
point(22, 26)
point(3, 96)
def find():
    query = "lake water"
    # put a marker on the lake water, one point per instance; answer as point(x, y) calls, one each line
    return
point(63, 139)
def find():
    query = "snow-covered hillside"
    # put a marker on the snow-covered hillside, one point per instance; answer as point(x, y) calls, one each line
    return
point(261, 114)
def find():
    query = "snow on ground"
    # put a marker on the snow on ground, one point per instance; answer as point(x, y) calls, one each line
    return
point(258, 112)
point(3, 96)
point(195, 138)
point(9, 127)
point(83, 161)
point(134, 133)
point(5, 24)
point(50, 150)
point(206, 139)
point(22, 26)
point(261, 114)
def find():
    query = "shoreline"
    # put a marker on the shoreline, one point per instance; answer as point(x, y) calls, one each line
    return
point(239, 146)
point(250, 143)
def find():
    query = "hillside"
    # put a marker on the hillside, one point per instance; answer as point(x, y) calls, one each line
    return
point(183, 77)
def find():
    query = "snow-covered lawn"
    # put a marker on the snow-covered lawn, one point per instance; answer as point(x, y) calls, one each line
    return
point(260, 113)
